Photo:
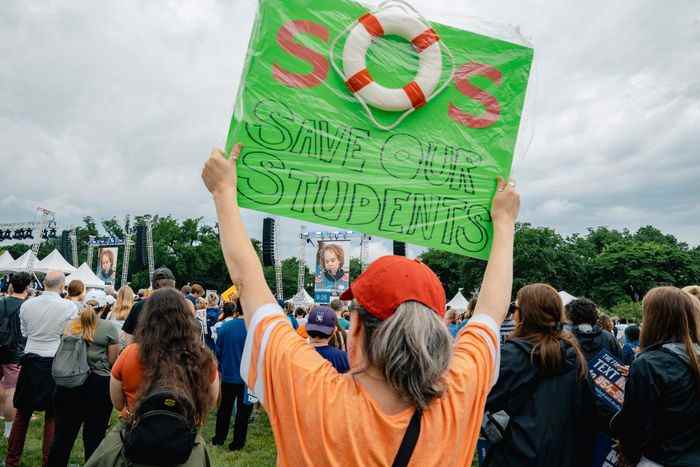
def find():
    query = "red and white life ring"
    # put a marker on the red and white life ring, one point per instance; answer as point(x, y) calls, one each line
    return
point(424, 40)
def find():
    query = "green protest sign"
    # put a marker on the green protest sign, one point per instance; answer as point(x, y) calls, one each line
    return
point(312, 152)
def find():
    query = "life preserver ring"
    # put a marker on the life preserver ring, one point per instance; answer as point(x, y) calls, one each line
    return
point(424, 40)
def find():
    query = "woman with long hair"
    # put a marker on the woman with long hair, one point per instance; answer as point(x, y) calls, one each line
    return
point(659, 423)
point(543, 389)
point(88, 405)
point(122, 307)
point(120, 311)
point(413, 395)
point(167, 353)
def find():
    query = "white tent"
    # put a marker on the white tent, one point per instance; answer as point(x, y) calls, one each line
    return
point(458, 302)
point(85, 274)
point(22, 263)
point(302, 298)
point(6, 261)
point(566, 297)
point(54, 262)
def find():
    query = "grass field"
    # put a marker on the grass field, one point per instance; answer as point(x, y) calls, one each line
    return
point(259, 450)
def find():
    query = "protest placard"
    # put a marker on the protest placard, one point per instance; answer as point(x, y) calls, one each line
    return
point(311, 152)
point(608, 377)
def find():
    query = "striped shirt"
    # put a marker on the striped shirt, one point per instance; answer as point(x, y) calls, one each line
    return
point(507, 329)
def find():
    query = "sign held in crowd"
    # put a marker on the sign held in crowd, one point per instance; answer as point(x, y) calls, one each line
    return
point(313, 151)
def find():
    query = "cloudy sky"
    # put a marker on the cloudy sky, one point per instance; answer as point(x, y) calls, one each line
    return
point(110, 108)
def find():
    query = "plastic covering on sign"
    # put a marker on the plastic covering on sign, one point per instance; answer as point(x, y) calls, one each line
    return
point(378, 120)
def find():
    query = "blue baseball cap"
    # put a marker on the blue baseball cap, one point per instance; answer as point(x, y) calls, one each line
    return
point(322, 319)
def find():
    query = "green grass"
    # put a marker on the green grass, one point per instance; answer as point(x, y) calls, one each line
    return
point(259, 450)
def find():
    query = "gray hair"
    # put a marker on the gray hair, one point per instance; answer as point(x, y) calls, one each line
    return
point(412, 348)
point(54, 281)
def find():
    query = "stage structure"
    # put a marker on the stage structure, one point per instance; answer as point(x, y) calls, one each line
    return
point(74, 246)
point(107, 249)
point(44, 228)
point(339, 278)
point(303, 240)
point(149, 250)
point(127, 249)
point(127, 242)
point(88, 259)
point(364, 251)
point(278, 261)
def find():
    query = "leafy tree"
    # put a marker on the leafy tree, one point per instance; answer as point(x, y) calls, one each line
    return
point(455, 271)
point(355, 268)
point(627, 270)
point(614, 268)
point(627, 310)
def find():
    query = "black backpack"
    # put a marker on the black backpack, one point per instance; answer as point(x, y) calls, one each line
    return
point(162, 430)
point(7, 335)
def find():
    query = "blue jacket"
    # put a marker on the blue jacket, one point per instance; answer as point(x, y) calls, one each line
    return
point(230, 341)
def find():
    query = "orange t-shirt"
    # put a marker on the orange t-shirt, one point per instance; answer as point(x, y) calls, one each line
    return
point(322, 418)
point(129, 371)
point(302, 331)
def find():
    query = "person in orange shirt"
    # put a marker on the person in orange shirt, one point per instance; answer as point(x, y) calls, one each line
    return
point(413, 396)
point(302, 331)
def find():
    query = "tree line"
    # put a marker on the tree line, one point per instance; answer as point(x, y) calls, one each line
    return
point(615, 268)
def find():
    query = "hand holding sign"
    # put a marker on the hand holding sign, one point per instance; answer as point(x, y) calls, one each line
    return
point(506, 203)
point(220, 174)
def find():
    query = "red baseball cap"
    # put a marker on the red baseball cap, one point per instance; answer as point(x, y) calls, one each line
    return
point(392, 280)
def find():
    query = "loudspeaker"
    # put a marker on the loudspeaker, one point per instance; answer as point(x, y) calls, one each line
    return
point(64, 246)
point(140, 244)
point(399, 248)
point(268, 242)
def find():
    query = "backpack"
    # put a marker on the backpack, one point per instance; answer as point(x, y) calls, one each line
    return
point(70, 366)
point(7, 337)
point(162, 430)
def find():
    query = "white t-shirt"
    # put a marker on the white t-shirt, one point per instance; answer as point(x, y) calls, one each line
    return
point(42, 321)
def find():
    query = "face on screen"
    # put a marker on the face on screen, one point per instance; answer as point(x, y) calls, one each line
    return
point(106, 264)
point(330, 261)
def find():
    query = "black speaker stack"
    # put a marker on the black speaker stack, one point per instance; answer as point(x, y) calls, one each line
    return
point(140, 244)
point(64, 246)
point(268, 242)
point(399, 248)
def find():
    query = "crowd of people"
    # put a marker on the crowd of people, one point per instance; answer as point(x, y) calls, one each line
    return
point(36, 325)
point(385, 375)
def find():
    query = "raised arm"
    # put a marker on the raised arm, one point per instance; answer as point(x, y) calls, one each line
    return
point(497, 285)
point(242, 261)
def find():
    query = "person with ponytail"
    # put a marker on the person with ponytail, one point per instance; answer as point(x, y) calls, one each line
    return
point(659, 424)
point(543, 388)
point(413, 396)
point(88, 405)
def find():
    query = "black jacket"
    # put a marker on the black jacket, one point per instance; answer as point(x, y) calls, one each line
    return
point(660, 418)
point(35, 385)
point(9, 307)
point(552, 417)
point(596, 339)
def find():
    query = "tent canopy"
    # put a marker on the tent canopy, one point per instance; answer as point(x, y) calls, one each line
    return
point(87, 277)
point(566, 297)
point(54, 262)
point(22, 263)
point(458, 302)
point(302, 298)
point(6, 261)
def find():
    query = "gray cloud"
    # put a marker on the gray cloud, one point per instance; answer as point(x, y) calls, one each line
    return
point(111, 109)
